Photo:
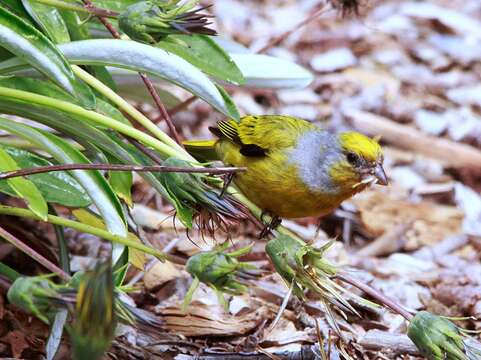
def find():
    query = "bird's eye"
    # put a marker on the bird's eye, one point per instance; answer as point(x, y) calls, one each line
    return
point(353, 158)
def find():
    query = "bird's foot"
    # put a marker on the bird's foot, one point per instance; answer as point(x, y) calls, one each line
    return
point(274, 223)
point(227, 180)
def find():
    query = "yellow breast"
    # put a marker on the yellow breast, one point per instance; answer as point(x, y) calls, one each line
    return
point(273, 184)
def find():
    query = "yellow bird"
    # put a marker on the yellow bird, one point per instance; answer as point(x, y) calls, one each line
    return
point(294, 168)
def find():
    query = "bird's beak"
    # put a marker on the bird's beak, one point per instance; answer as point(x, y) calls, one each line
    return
point(380, 175)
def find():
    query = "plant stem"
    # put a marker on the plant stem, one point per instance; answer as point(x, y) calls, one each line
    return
point(390, 303)
point(57, 220)
point(94, 117)
point(182, 105)
point(288, 33)
point(129, 109)
point(150, 87)
point(33, 254)
point(89, 10)
point(116, 167)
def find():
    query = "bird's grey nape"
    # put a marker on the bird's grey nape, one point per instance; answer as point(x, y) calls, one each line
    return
point(314, 154)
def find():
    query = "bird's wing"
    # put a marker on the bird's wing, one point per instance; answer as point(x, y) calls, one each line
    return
point(257, 135)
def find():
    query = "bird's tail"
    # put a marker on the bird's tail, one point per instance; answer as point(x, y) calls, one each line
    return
point(202, 150)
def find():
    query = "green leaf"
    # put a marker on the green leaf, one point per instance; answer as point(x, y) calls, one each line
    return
point(41, 87)
point(24, 188)
point(92, 181)
point(105, 108)
point(31, 46)
point(270, 72)
point(57, 187)
point(5, 54)
point(203, 52)
point(37, 86)
point(144, 58)
point(49, 20)
point(77, 27)
point(229, 103)
point(121, 182)
point(79, 30)
point(114, 5)
point(17, 8)
point(136, 257)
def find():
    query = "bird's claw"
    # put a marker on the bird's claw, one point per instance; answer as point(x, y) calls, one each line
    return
point(227, 180)
point(274, 223)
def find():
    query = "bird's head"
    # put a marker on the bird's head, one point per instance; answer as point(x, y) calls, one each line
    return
point(360, 164)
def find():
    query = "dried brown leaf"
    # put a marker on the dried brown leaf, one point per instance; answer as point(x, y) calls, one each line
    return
point(203, 320)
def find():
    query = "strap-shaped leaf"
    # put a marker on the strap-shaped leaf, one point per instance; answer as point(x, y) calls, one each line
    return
point(140, 57)
point(24, 188)
point(204, 53)
point(31, 46)
point(270, 72)
point(92, 181)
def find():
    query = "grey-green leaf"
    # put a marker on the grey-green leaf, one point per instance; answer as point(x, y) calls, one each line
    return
point(31, 46)
point(140, 57)
point(203, 52)
point(270, 72)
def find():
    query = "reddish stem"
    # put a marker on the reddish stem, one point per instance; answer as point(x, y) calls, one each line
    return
point(288, 33)
point(150, 86)
point(376, 294)
point(33, 254)
point(116, 167)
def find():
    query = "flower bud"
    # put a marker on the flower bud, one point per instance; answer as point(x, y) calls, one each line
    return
point(95, 319)
point(437, 338)
point(34, 294)
point(304, 268)
point(150, 21)
point(219, 270)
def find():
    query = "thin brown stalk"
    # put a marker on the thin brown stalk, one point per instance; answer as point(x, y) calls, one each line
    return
point(182, 105)
point(158, 102)
point(89, 5)
point(377, 295)
point(116, 167)
point(278, 39)
point(148, 83)
point(34, 255)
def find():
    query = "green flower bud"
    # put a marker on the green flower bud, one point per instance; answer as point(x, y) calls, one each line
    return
point(304, 268)
point(35, 295)
point(437, 338)
point(219, 270)
point(95, 319)
point(150, 21)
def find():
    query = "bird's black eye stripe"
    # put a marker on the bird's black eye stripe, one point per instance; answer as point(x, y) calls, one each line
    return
point(353, 158)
